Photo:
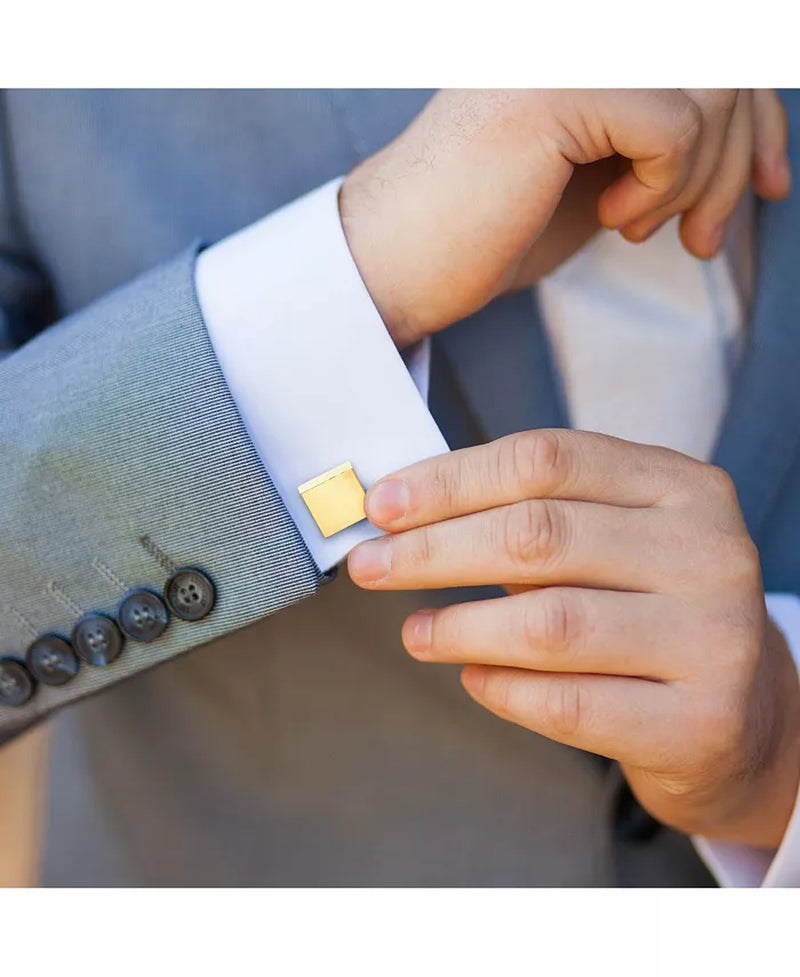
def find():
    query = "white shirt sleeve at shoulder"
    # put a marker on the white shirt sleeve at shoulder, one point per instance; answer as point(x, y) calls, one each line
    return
point(309, 363)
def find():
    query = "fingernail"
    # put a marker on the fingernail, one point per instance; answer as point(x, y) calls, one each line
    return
point(387, 501)
point(418, 631)
point(370, 561)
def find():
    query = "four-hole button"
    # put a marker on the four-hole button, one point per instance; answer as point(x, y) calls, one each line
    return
point(143, 616)
point(51, 660)
point(97, 639)
point(190, 594)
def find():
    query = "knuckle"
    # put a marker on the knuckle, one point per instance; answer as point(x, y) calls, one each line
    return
point(741, 562)
point(520, 461)
point(516, 533)
point(446, 482)
point(557, 622)
point(535, 533)
point(554, 623)
point(566, 706)
point(718, 485)
point(421, 554)
point(538, 461)
point(726, 548)
point(731, 560)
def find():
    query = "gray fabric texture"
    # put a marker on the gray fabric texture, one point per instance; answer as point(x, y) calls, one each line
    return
point(117, 425)
point(310, 749)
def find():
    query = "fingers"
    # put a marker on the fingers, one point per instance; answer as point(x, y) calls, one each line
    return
point(557, 629)
point(771, 172)
point(742, 138)
point(659, 131)
point(716, 108)
point(704, 225)
point(537, 542)
point(715, 189)
point(621, 718)
point(559, 464)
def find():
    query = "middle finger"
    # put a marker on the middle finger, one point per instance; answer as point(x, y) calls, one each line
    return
point(535, 542)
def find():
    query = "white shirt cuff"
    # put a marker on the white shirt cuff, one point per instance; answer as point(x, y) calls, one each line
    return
point(309, 363)
point(743, 865)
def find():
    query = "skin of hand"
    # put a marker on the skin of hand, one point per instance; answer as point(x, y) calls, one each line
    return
point(635, 626)
point(488, 190)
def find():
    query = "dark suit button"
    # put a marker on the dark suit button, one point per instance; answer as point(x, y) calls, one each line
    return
point(631, 821)
point(190, 594)
point(143, 616)
point(16, 683)
point(97, 639)
point(51, 660)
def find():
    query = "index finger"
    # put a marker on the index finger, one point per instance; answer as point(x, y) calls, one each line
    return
point(547, 463)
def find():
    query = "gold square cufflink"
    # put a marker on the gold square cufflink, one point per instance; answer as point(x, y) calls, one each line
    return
point(335, 499)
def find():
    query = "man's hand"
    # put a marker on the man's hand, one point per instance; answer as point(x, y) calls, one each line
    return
point(636, 628)
point(453, 212)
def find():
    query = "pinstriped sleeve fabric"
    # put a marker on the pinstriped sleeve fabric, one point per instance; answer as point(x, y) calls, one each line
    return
point(122, 455)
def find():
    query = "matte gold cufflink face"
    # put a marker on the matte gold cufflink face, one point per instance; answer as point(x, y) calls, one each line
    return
point(335, 499)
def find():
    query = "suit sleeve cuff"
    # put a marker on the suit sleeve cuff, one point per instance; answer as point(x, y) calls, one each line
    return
point(742, 865)
point(309, 363)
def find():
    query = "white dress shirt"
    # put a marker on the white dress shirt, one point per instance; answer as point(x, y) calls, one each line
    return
point(318, 381)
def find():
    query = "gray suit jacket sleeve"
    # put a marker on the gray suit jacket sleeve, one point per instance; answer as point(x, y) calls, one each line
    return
point(121, 454)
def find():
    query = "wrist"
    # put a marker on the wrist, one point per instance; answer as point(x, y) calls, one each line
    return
point(409, 236)
point(768, 790)
point(367, 231)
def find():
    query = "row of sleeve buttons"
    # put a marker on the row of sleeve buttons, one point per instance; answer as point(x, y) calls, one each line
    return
point(97, 639)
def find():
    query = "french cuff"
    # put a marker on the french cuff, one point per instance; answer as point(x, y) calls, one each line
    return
point(742, 865)
point(325, 396)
